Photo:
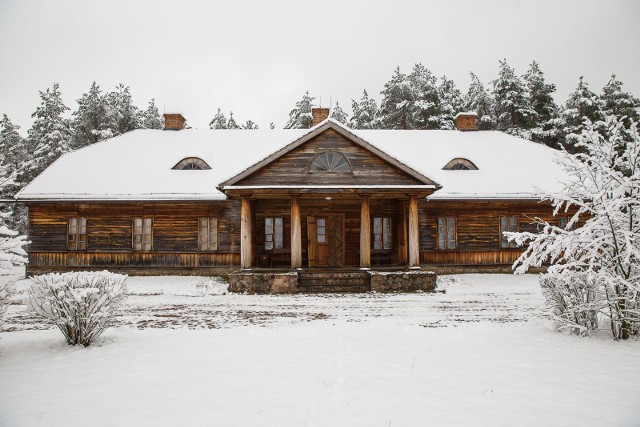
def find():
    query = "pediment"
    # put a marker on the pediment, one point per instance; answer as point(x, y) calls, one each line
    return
point(329, 155)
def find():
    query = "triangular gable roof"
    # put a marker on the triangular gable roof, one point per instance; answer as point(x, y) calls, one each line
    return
point(317, 130)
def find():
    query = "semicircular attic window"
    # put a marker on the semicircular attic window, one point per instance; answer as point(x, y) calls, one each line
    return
point(460, 164)
point(331, 161)
point(191, 163)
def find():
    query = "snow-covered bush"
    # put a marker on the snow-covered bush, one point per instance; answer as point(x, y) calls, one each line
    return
point(212, 286)
point(11, 256)
point(82, 305)
point(594, 271)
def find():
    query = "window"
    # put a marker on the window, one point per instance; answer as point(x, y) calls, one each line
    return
point(142, 234)
point(508, 223)
point(321, 226)
point(191, 163)
point(460, 164)
point(447, 233)
point(330, 161)
point(208, 234)
point(273, 233)
point(563, 221)
point(382, 233)
point(77, 234)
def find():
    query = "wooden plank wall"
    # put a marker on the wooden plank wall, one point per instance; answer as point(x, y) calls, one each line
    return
point(293, 168)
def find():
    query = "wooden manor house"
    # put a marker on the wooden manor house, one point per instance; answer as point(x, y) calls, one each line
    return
point(277, 204)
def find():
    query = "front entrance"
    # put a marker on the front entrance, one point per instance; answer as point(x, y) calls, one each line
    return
point(326, 240)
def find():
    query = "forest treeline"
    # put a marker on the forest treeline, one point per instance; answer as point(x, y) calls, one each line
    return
point(521, 105)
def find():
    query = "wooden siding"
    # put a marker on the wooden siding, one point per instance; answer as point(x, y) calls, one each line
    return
point(293, 167)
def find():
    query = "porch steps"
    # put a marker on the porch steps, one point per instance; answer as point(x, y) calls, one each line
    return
point(332, 282)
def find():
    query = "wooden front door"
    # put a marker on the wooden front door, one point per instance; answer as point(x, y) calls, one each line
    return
point(326, 240)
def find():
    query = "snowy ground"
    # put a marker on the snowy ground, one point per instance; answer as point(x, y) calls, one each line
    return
point(480, 353)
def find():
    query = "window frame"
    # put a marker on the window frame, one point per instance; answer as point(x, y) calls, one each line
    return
point(275, 238)
point(75, 242)
point(447, 221)
point(385, 234)
point(312, 163)
point(212, 224)
point(504, 243)
point(142, 234)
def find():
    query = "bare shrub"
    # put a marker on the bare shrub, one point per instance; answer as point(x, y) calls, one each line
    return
point(82, 305)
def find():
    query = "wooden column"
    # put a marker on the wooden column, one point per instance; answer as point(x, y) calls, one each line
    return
point(296, 234)
point(365, 233)
point(246, 241)
point(414, 233)
point(402, 233)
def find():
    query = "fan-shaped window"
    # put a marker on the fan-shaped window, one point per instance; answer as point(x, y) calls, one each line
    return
point(192, 163)
point(330, 161)
point(460, 164)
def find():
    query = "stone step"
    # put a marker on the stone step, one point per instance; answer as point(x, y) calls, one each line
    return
point(342, 288)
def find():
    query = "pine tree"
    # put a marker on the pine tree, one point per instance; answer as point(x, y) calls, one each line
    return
point(364, 112)
point(479, 100)
point(541, 94)
point(13, 149)
point(300, 116)
point(231, 124)
point(395, 108)
point(49, 136)
point(619, 103)
point(151, 118)
point(450, 103)
point(272, 126)
point(92, 120)
point(424, 102)
point(568, 126)
point(219, 121)
point(513, 107)
point(250, 125)
point(125, 116)
point(339, 114)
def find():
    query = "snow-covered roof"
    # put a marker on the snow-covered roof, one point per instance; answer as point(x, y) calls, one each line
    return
point(138, 165)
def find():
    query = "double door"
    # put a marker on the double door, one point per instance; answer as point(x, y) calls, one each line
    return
point(325, 234)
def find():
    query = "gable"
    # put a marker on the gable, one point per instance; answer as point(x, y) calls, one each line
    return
point(293, 168)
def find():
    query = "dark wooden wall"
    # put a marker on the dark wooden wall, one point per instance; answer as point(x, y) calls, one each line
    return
point(292, 168)
point(175, 240)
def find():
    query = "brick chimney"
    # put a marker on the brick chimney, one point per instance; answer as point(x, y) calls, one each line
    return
point(174, 121)
point(466, 121)
point(319, 115)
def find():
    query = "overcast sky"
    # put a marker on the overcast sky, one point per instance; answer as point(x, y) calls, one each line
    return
point(258, 58)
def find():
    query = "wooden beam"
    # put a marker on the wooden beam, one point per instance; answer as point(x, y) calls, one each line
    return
point(402, 233)
point(296, 234)
point(246, 241)
point(365, 233)
point(414, 233)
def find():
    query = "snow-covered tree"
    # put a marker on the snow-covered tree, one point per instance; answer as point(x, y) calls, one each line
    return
point(92, 120)
point(424, 99)
point(594, 271)
point(13, 150)
point(49, 136)
point(300, 117)
point(125, 116)
point(231, 124)
point(450, 103)
point(151, 118)
point(364, 112)
point(12, 255)
point(272, 126)
point(250, 125)
point(338, 114)
point(582, 104)
point(82, 305)
point(395, 108)
point(514, 111)
point(219, 121)
point(478, 99)
point(617, 102)
point(540, 94)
